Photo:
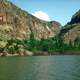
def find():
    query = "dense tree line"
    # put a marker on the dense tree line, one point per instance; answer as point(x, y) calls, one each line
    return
point(50, 46)
point(53, 45)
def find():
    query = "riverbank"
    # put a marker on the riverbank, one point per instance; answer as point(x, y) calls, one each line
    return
point(29, 53)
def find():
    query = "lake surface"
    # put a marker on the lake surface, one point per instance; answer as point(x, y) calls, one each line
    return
point(40, 68)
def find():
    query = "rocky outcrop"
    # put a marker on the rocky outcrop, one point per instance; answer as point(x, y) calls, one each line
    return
point(19, 24)
point(71, 31)
point(75, 18)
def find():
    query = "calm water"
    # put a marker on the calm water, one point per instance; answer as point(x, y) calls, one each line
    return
point(40, 68)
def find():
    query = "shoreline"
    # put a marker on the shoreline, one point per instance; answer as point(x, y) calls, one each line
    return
point(40, 54)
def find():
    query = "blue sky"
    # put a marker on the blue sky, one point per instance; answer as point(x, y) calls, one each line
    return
point(58, 10)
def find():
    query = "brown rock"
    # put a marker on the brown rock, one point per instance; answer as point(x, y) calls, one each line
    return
point(20, 24)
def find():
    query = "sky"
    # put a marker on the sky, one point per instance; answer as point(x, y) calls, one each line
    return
point(58, 10)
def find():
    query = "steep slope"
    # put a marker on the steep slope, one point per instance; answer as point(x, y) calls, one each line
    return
point(19, 30)
point(19, 24)
point(71, 31)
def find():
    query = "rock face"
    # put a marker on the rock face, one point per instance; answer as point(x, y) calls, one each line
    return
point(19, 24)
point(71, 31)
point(75, 18)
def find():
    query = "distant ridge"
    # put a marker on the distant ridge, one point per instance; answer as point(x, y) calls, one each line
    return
point(71, 31)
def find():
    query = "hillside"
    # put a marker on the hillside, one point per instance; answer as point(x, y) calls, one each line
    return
point(71, 31)
point(17, 26)
point(24, 34)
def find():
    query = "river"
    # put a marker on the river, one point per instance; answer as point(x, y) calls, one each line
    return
point(40, 68)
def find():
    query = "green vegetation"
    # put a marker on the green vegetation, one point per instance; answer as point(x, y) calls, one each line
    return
point(51, 46)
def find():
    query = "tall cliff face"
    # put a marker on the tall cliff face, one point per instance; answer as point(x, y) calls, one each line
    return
point(71, 31)
point(19, 24)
